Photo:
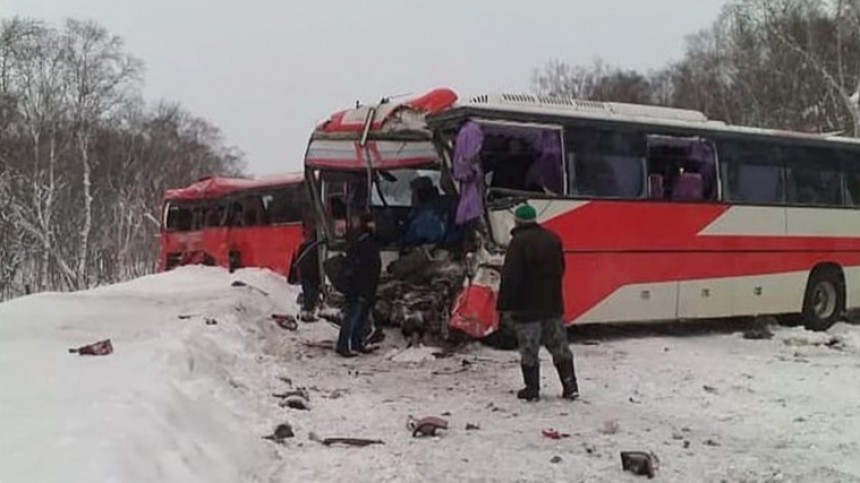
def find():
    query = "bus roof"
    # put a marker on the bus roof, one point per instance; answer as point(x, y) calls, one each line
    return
point(214, 187)
point(389, 120)
point(527, 106)
point(407, 115)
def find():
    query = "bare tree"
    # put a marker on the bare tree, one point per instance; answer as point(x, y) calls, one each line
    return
point(84, 161)
point(101, 75)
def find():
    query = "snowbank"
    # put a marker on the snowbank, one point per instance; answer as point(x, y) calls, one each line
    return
point(176, 401)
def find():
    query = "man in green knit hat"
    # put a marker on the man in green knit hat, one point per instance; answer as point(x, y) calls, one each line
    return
point(530, 295)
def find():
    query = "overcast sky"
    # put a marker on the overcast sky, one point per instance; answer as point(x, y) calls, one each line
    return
point(265, 71)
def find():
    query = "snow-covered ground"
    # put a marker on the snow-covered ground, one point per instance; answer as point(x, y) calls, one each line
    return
point(180, 400)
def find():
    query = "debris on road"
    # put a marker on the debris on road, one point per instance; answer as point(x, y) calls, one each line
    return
point(427, 426)
point(282, 432)
point(100, 348)
point(286, 322)
point(639, 463)
point(472, 427)
point(554, 434)
point(239, 283)
point(302, 393)
point(358, 442)
point(295, 402)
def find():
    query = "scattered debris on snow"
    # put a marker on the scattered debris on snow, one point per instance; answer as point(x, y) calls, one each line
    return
point(100, 348)
point(282, 432)
point(639, 463)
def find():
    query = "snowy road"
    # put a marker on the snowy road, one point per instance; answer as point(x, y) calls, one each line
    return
point(180, 400)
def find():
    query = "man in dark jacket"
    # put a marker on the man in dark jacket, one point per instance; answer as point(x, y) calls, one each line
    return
point(530, 296)
point(363, 268)
point(308, 272)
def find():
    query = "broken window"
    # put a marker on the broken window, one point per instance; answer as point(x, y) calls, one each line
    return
point(285, 205)
point(395, 188)
point(605, 163)
point(179, 217)
point(522, 158)
point(681, 169)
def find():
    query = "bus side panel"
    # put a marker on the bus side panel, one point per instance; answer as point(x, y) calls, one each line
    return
point(269, 247)
point(831, 223)
point(180, 244)
point(632, 261)
point(852, 287)
point(215, 244)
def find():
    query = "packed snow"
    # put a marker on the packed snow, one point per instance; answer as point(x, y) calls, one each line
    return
point(187, 396)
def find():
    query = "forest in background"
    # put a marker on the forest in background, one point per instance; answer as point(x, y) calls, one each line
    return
point(84, 159)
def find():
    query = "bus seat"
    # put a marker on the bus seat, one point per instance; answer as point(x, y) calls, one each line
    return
point(655, 186)
point(688, 187)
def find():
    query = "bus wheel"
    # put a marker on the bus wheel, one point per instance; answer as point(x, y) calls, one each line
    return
point(824, 302)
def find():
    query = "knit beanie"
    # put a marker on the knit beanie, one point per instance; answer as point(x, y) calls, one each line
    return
point(525, 214)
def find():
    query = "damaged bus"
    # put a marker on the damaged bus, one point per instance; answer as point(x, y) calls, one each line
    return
point(663, 213)
point(233, 223)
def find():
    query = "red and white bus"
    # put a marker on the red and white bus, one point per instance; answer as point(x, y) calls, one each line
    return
point(664, 214)
point(234, 223)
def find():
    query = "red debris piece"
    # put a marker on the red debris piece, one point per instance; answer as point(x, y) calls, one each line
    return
point(553, 434)
point(100, 348)
point(287, 322)
point(427, 426)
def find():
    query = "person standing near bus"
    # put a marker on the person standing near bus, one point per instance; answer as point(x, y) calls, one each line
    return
point(531, 297)
point(363, 269)
point(308, 271)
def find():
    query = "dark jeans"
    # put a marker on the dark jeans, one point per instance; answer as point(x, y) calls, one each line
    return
point(549, 333)
point(352, 326)
point(310, 294)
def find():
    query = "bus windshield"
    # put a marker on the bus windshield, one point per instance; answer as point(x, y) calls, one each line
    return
point(396, 188)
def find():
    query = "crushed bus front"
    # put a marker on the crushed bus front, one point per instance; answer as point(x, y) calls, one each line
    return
point(384, 159)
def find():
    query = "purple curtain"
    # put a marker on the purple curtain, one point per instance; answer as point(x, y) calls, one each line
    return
point(703, 153)
point(546, 170)
point(467, 170)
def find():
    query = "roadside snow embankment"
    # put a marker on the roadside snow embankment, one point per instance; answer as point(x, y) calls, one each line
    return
point(174, 402)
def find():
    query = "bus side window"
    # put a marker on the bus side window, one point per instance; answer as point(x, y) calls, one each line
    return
point(178, 218)
point(520, 158)
point(284, 205)
point(752, 172)
point(215, 216)
point(813, 173)
point(254, 211)
point(606, 164)
point(851, 170)
point(237, 214)
point(681, 169)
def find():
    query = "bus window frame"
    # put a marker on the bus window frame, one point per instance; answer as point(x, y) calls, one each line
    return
point(540, 126)
point(302, 207)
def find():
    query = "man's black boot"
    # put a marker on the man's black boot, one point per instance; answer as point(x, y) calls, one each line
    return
point(570, 389)
point(531, 378)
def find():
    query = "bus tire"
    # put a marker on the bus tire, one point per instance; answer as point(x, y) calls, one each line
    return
point(824, 300)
